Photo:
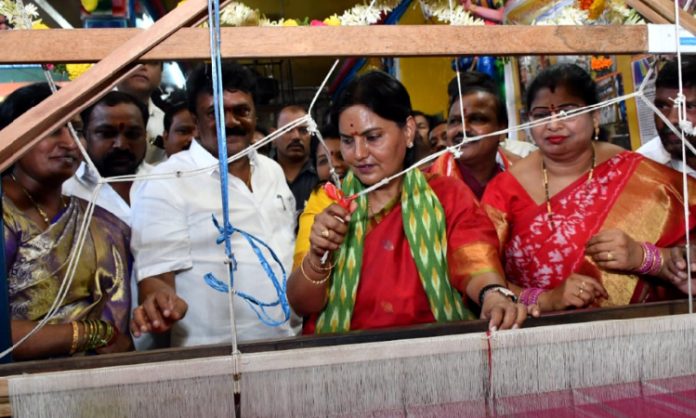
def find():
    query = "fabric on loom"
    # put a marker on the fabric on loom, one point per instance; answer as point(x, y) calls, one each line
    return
point(37, 261)
point(627, 192)
point(391, 290)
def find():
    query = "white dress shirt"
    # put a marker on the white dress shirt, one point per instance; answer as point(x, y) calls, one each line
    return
point(83, 183)
point(173, 232)
point(655, 151)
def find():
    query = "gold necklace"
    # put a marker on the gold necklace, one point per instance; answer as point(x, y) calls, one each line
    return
point(41, 212)
point(546, 184)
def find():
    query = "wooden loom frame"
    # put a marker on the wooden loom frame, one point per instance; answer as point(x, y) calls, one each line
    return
point(117, 50)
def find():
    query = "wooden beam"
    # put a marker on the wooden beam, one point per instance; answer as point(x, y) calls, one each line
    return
point(666, 9)
point(56, 110)
point(647, 12)
point(92, 45)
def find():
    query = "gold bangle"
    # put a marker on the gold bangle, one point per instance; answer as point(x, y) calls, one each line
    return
point(75, 337)
point(316, 282)
point(319, 269)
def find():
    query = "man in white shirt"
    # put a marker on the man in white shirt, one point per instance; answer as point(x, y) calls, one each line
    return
point(174, 238)
point(666, 148)
point(142, 84)
point(115, 137)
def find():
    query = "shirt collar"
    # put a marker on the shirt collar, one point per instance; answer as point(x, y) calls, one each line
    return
point(203, 158)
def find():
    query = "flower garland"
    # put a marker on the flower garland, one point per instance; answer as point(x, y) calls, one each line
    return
point(457, 16)
point(20, 16)
point(594, 12)
point(239, 14)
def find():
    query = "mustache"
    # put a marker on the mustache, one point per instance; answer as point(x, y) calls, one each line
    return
point(666, 131)
point(460, 137)
point(119, 154)
point(235, 131)
point(295, 142)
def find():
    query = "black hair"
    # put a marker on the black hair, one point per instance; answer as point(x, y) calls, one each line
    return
point(379, 92)
point(234, 77)
point(114, 98)
point(577, 82)
point(474, 82)
point(383, 95)
point(329, 131)
point(21, 100)
point(172, 110)
point(668, 76)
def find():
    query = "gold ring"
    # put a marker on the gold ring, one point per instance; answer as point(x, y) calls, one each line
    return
point(581, 291)
point(582, 285)
point(610, 256)
point(325, 233)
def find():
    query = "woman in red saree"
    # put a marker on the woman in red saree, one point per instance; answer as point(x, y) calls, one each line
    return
point(409, 252)
point(586, 223)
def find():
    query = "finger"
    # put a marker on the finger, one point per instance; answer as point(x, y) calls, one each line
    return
point(602, 236)
point(180, 309)
point(165, 303)
point(591, 284)
point(152, 312)
point(678, 257)
point(140, 320)
point(336, 210)
point(331, 222)
point(509, 316)
point(496, 314)
point(576, 301)
point(521, 315)
point(534, 310)
point(134, 329)
point(599, 248)
point(321, 245)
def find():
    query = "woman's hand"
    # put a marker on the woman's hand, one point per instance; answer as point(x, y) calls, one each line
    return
point(502, 312)
point(329, 231)
point(613, 249)
point(122, 344)
point(674, 268)
point(577, 291)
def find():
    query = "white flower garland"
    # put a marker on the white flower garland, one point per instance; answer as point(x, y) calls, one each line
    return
point(615, 13)
point(238, 14)
point(456, 16)
point(20, 16)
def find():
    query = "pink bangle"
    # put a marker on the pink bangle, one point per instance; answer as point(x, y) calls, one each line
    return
point(530, 295)
point(652, 260)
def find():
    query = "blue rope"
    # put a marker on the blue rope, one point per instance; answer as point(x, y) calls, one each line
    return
point(227, 229)
point(251, 300)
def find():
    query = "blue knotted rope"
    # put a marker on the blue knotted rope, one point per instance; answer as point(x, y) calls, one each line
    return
point(227, 229)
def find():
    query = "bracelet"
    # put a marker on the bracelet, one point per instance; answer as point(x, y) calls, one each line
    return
point(75, 337)
point(652, 260)
point(319, 269)
point(496, 288)
point(530, 295)
point(98, 334)
point(316, 282)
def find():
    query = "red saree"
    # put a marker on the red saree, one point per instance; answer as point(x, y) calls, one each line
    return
point(627, 192)
point(390, 292)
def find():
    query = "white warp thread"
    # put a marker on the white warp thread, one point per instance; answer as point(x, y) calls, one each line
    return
point(442, 374)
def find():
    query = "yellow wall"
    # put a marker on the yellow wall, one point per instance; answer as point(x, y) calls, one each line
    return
point(425, 78)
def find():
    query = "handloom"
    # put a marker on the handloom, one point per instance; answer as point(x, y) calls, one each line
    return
point(602, 364)
point(619, 364)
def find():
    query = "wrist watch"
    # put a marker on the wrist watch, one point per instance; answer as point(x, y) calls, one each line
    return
point(499, 289)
